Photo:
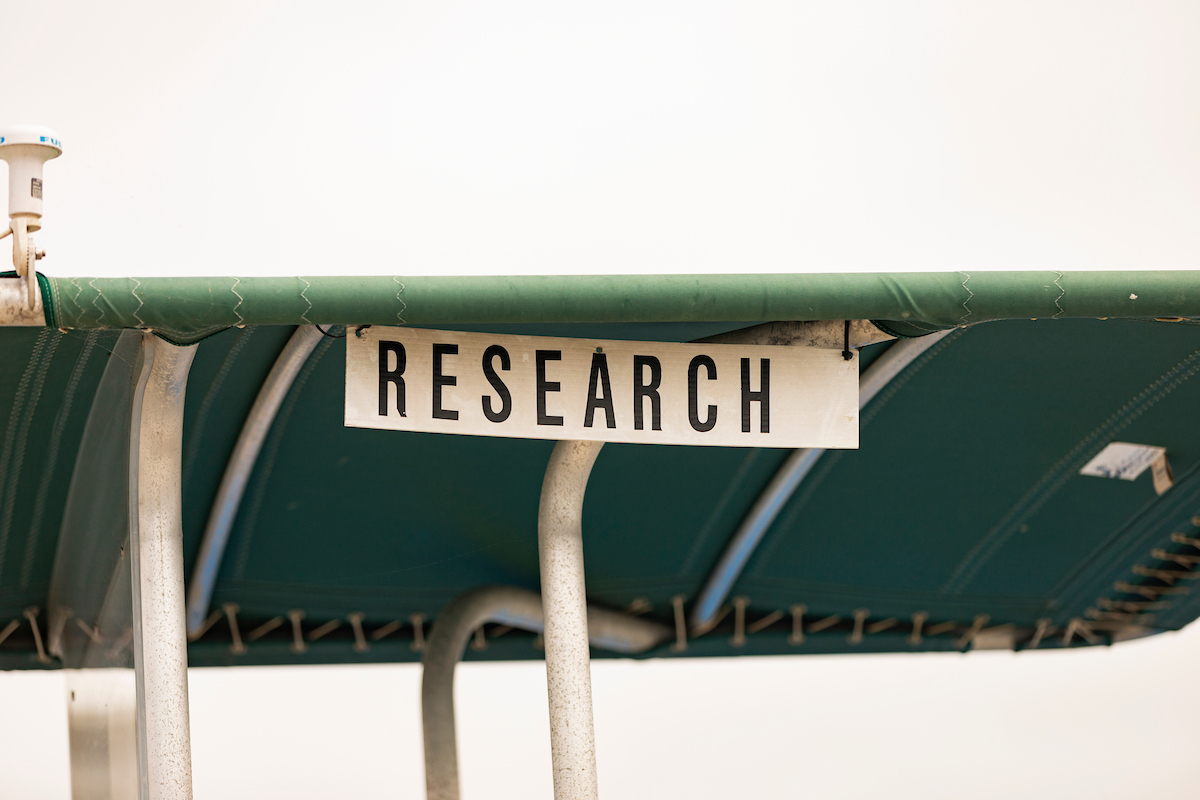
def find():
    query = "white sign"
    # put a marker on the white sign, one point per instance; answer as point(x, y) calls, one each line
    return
point(536, 387)
point(1127, 461)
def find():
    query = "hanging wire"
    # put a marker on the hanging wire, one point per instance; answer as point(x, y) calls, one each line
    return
point(326, 333)
point(357, 332)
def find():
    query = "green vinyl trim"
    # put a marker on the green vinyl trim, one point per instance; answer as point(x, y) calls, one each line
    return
point(189, 309)
point(44, 288)
point(47, 300)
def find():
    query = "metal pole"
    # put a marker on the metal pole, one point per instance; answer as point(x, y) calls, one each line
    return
point(156, 544)
point(568, 662)
point(237, 472)
point(785, 482)
point(102, 730)
point(463, 615)
point(447, 641)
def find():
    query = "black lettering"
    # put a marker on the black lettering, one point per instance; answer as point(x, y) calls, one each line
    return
point(440, 380)
point(762, 396)
point(643, 390)
point(489, 372)
point(544, 386)
point(599, 377)
point(393, 376)
point(694, 393)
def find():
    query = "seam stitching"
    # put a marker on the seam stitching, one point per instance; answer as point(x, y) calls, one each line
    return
point(36, 383)
point(403, 305)
point(141, 302)
point(52, 452)
point(240, 319)
point(75, 299)
point(963, 319)
point(95, 304)
point(1053, 479)
point(303, 297)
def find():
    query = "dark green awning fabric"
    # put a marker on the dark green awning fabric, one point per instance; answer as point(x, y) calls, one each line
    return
point(188, 309)
point(964, 500)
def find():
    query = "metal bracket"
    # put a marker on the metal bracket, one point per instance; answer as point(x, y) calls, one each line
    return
point(25, 256)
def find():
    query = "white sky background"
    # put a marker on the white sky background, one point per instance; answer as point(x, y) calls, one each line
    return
point(617, 137)
point(620, 137)
point(1100, 724)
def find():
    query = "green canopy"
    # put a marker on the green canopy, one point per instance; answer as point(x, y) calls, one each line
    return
point(964, 505)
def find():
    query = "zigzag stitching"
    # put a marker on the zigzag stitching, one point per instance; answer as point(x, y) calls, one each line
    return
point(304, 316)
point(403, 305)
point(241, 320)
point(141, 302)
point(75, 299)
point(92, 283)
point(963, 319)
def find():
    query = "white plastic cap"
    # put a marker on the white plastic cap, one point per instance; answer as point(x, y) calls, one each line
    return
point(26, 148)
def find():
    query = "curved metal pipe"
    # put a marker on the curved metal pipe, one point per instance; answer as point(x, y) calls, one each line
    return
point(784, 483)
point(448, 640)
point(568, 660)
point(237, 472)
point(156, 545)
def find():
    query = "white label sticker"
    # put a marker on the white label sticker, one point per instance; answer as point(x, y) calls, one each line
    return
point(1164, 478)
point(1123, 460)
point(537, 387)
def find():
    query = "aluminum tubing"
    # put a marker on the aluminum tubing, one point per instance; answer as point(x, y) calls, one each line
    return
point(508, 605)
point(156, 542)
point(102, 731)
point(746, 539)
point(568, 661)
point(612, 630)
point(14, 304)
point(788, 478)
point(237, 472)
point(443, 651)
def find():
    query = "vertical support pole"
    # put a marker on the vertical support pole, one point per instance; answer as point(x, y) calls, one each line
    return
point(102, 726)
point(156, 542)
point(568, 661)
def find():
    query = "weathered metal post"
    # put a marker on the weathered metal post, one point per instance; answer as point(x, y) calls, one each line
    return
point(460, 618)
point(568, 661)
point(156, 541)
point(237, 472)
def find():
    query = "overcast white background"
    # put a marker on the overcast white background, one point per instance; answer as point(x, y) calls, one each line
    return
point(257, 138)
